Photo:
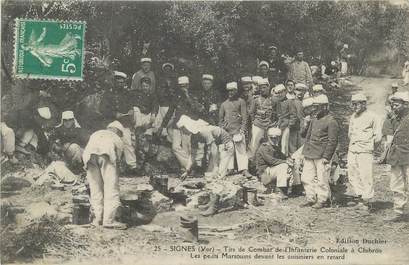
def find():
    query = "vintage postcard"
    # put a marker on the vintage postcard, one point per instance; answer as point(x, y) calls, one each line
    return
point(204, 132)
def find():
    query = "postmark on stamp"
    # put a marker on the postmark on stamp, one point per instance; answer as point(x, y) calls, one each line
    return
point(49, 49)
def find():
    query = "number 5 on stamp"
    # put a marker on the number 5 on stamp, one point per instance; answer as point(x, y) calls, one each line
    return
point(49, 49)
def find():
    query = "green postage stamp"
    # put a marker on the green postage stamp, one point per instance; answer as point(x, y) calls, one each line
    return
point(49, 49)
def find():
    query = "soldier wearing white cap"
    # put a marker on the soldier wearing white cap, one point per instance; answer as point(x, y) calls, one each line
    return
point(300, 90)
point(364, 132)
point(210, 99)
point(183, 103)
point(279, 93)
point(278, 69)
point(35, 136)
point(255, 89)
point(262, 114)
point(308, 109)
point(263, 69)
point(118, 104)
point(145, 71)
point(219, 144)
point(69, 139)
point(299, 71)
point(344, 59)
point(320, 143)
point(290, 116)
point(398, 155)
point(233, 118)
point(271, 164)
point(101, 158)
point(247, 90)
point(248, 96)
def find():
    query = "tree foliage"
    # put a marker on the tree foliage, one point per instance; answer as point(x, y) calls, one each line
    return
point(225, 38)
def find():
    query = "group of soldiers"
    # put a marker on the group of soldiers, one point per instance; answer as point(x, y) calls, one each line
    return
point(263, 128)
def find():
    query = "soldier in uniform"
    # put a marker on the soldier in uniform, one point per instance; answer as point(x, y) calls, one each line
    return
point(263, 115)
point(116, 105)
point(233, 118)
point(145, 71)
point(183, 103)
point(247, 95)
point(278, 69)
point(289, 120)
point(398, 155)
point(210, 99)
point(364, 133)
point(321, 142)
point(272, 166)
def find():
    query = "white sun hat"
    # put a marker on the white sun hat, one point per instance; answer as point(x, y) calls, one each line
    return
point(116, 125)
point(183, 80)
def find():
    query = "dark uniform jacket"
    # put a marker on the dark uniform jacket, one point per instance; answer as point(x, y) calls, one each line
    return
point(79, 136)
point(399, 151)
point(166, 89)
point(278, 70)
point(208, 98)
point(182, 104)
point(268, 156)
point(113, 102)
point(145, 101)
point(290, 114)
point(322, 138)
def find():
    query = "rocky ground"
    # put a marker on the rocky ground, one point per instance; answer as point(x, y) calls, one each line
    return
point(30, 235)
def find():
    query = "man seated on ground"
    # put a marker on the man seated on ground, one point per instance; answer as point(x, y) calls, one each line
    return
point(8, 140)
point(219, 144)
point(69, 139)
point(101, 158)
point(33, 135)
point(272, 166)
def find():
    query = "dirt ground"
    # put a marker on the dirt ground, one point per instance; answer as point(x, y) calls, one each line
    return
point(275, 224)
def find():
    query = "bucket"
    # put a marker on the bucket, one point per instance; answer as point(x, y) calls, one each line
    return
point(250, 195)
point(80, 213)
point(189, 228)
point(160, 183)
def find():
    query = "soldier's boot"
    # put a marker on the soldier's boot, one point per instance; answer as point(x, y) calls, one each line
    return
point(282, 193)
point(212, 205)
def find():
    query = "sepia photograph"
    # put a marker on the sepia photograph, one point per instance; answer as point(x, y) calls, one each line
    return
point(204, 132)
